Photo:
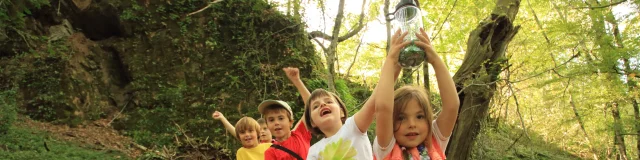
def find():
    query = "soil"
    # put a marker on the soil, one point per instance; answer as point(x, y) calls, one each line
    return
point(97, 134)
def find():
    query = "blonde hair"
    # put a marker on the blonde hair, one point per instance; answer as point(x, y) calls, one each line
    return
point(247, 123)
point(403, 96)
point(307, 109)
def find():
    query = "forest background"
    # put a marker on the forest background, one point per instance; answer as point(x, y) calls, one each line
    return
point(138, 79)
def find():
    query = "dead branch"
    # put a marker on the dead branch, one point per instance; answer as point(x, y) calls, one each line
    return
point(353, 32)
point(204, 8)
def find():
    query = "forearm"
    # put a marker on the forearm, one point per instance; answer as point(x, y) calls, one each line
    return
point(446, 86)
point(302, 89)
point(229, 127)
point(384, 103)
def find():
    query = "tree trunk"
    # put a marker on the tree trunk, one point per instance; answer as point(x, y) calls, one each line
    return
point(388, 24)
point(407, 76)
point(575, 112)
point(335, 38)
point(486, 47)
point(425, 74)
point(618, 140)
point(636, 113)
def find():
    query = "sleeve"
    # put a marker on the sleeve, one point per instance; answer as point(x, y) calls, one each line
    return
point(350, 123)
point(310, 155)
point(269, 154)
point(379, 152)
point(442, 141)
point(303, 131)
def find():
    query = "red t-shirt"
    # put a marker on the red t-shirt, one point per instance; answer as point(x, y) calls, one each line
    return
point(299, 143)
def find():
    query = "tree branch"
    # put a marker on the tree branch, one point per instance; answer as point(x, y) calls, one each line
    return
point(353, 32)
point(210, 4)
point(321, 46)
point(355, 56)
point(445, 21)
point(605, 6)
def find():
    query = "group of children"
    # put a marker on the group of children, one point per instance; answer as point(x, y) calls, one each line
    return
point(405, 127)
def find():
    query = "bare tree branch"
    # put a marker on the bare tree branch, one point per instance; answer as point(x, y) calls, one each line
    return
point(353, 32)
point(210, 4)
point(355, 56)
point(604, 6)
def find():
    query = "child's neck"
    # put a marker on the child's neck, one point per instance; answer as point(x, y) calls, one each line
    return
point(252, 146)
point(331, 130)
point(281, 139)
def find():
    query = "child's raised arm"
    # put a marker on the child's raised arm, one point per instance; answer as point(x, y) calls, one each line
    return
point(384, 99)
point(450, 101)
point(294, 76)
point(218, 116)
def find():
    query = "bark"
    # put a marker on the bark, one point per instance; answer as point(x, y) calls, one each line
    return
point(407, 76)
point(636, 113)
point(330, 52)
point(618, 140)
point(486, 47)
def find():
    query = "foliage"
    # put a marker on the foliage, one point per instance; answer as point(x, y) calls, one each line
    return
point(8, 111)
point(13, 25)
point(509, 142)
point(227, 57)
point(26, 143)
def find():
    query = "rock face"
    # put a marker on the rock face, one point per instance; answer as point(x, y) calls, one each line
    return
point(87, 59)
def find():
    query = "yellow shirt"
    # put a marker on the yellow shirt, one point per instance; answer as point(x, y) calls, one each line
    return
point(252, 153)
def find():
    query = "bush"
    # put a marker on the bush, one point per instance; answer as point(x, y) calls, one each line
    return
point(8, 111)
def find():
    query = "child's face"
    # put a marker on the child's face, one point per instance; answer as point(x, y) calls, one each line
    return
point(265, 134)
point(325, 111)
point(412, 123)
point(249, 138)
point(279, 124)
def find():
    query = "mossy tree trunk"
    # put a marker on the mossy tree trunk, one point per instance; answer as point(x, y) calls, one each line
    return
point(481, 66)
point(618, 139)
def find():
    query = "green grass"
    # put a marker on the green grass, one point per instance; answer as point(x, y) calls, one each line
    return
point(25, 143)
point(497, 143)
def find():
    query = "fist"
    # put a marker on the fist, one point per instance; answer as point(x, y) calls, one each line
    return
point(292, 72)
point(217, 115)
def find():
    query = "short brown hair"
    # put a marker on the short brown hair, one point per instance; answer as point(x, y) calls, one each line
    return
point(261, 121)
point(402, 96)
point(274, 108)
point(307, 109)
point(247, 123)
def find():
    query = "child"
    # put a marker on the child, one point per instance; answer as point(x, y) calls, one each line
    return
point(289, 144)
point(344, 138)
point(405, 128)
point(265, 135)
point(247, 132)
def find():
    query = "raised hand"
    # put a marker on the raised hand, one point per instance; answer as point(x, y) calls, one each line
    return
point(425, 44)
point(397, 44)
point(292, 73)
point(217, 115)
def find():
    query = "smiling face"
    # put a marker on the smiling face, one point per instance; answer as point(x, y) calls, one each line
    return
point(247, 132)
point(412, 125)
point(248, 138)
point(279, 123)
point(265, 134)
point(325, 111)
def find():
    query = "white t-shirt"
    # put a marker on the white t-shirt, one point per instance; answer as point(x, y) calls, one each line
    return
point(442, 141)
point(347, 143)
